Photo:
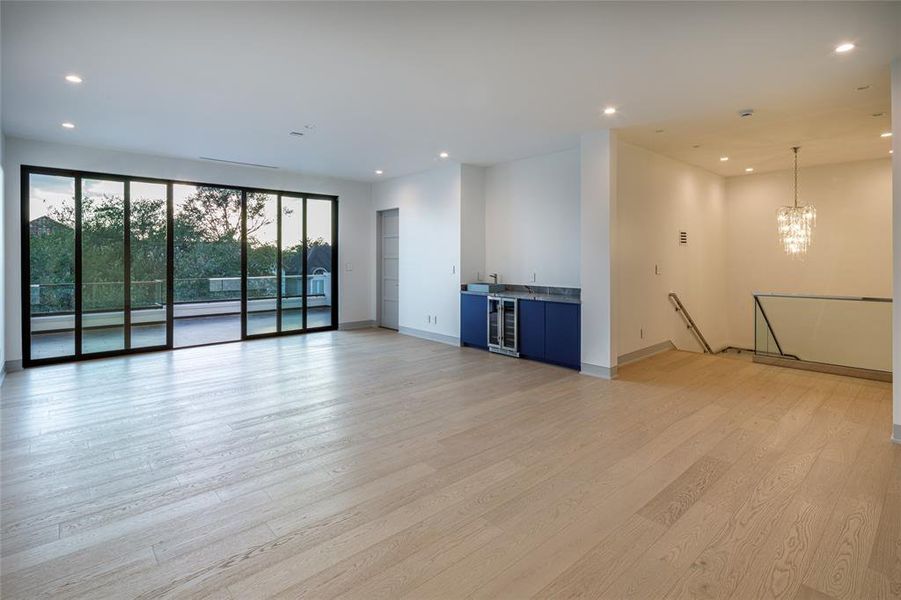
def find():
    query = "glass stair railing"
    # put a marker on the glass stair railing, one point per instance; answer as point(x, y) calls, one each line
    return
point(846, 335)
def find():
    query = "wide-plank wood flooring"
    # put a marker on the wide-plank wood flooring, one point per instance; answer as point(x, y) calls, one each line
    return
point(371, 465)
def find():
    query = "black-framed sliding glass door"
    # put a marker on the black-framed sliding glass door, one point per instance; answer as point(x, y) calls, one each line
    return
point(48, 266)
point(320, 264)
point(290, 255)
point(207, 264)
point(292, 275)
point(149, 249)
point(262, 232)
point(115, 264)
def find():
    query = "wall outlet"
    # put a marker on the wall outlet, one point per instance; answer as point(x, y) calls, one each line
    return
point(658, 270)
point(534, 278)
point(348, 266)
point(641, 333)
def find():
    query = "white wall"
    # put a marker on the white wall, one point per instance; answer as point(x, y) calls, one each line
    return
point(896, 236)
point(657, 198)
point(851, 253)
point(430, 222)
point(598, 173)
point(532, 219)
point(472, 225)
point(355, 234)
point(3, 277)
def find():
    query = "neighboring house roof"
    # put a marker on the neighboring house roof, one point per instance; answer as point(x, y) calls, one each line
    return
point(319, 257)
point(45, 226)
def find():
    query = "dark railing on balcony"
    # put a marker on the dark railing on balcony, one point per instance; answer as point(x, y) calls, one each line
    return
point(59, 298)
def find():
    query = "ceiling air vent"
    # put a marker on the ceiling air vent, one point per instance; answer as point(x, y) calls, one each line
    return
point(683, 238)
point(237, 162)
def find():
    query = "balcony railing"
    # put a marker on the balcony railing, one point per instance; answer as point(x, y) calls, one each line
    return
point(59, 298)
point(851, 334)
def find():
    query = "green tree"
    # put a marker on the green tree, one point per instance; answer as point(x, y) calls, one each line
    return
point(207, 235)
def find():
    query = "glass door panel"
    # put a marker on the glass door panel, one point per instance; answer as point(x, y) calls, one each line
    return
point(51, 240)
point(262, 263)
point(319, 263)
point(102, 265)
point(207, 264)
point(147, 231)
point(292, 263)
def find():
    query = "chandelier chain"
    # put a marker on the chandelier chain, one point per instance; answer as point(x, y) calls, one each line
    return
point(795, 149)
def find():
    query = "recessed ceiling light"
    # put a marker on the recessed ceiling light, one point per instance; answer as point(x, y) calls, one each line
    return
point(73, 78)
point(443, 155)
point(68, 125)
point(886, 134)
point(749, 170)
point(610, 110)
point(378, 171)
point(724, 158)
point(845, 47)
point(891, 151)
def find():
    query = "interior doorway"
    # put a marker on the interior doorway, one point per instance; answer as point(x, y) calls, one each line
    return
point(388, 266)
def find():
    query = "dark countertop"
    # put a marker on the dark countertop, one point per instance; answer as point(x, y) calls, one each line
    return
point(529, 296)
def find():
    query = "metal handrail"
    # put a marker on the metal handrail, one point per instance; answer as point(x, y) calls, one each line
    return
point(690, 322)
point(769, 327)
point(821, 297)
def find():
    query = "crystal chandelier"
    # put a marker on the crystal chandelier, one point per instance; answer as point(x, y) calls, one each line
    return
point(796, 223)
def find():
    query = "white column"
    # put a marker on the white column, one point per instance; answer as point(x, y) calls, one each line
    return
point(896, 249)
point(598, 225)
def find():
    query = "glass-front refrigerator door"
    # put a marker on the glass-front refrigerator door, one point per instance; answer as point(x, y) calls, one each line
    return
point(509, 340)
point(494, 330)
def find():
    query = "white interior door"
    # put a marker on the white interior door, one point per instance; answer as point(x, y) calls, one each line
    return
point(389, 251)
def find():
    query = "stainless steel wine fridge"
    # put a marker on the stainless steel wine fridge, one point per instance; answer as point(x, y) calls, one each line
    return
point(502, 325)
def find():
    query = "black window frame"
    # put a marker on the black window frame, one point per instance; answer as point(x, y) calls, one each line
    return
point(26, 171)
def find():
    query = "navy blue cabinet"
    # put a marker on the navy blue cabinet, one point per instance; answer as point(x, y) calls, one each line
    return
point(474, 320)
point(531, 329)
point(562, 334)
point(548, 331)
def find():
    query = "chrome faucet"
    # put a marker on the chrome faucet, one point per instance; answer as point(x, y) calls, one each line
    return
point(493, 276)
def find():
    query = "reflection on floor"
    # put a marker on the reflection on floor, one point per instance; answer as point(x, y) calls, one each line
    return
point(192, 331)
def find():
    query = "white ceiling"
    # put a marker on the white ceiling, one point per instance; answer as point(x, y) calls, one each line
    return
point(389, 85)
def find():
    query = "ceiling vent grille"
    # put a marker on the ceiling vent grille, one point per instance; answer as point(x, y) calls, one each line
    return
point(683, 238)
point(237, 162)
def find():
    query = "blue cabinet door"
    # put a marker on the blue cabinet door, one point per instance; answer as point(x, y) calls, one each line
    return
point(474, 320)
point(562, 334)
point(531, 329)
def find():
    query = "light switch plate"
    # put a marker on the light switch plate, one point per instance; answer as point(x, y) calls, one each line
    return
point(348, 266)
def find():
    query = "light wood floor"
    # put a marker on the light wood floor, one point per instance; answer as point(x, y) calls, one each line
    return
point(373, 465)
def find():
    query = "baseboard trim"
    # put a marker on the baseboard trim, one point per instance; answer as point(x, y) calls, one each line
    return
point(641, 353)
point(896, 436)
point(598, 371)
point(430, 335)
point(11, 366)
point(351, 325)
point(824, 368)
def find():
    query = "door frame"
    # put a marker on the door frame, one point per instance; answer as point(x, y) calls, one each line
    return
point(78, 175)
